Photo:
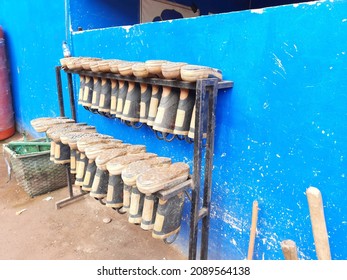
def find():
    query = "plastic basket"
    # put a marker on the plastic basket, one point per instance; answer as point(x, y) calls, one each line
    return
point(32, 168)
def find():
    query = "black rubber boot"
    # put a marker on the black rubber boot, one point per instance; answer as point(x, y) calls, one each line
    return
point(136, 206)
point(96, 94)
point(100, 183)
point(166, 115)
point(168, 217)
point(154, 103)
point(61, 153)
point(114, 96)
point(114, 197)
point(131, 109)
point(150, 206)
point(126, 197)
point(81, 89)
point(74, 155)
point(184, 112)
point(88, 92)
point(89, 175)
point(146, 93)
point(82, 164)
point(105, 96)
point(122, 93)
point(192, 125)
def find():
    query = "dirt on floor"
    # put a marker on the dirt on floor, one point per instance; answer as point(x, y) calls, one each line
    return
point(32, 228)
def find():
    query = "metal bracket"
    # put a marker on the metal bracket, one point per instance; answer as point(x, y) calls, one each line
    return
point(72, 197)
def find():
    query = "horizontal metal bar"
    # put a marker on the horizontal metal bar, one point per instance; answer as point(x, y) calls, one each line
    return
point(153, 81)
point(68, 200)
point(166, 194)
point(202, 213)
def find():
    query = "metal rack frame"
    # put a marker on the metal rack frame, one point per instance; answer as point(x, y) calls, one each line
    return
point(205, 119)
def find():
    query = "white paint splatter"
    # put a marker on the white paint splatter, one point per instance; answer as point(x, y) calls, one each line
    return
point(279, 63)
point(257, 11)
point(127, 27)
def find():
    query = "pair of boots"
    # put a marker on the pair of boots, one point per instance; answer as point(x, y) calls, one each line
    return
point(142, 182)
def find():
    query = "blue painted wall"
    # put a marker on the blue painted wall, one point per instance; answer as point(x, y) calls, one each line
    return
point(280, 130)
point(34, 43)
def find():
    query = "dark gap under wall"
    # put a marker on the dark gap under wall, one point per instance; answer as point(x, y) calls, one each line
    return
point(89, 14)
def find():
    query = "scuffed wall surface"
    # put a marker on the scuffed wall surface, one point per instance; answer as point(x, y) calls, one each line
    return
point(280, 130)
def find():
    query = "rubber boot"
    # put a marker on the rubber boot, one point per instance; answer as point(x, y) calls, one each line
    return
point(146, 93)
point(105, 96)
point(131, 109)
point(96, 94)
point(82, 164)
point(122, 93)
point(166, 115)
point(81, 89)
point(114, 198)
point(83, 160)
point(126, 197)
point(101, 180)
point(129, 175)
point(115, 168)
point(89, 175)
point(191, 132)
point(162, 177)
point(92, 153)
point(100, 183)
point(154, 103)
point(136, 206)
point(88, 92)
point(168, 217)
point(73, 160)
point(150, 206)
point(184, 112)
point(114, 96)
point(62, 153)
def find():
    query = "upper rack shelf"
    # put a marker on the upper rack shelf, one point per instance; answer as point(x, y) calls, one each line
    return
point(154, 81)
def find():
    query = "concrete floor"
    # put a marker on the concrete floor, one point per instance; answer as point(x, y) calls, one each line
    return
point(32, 228)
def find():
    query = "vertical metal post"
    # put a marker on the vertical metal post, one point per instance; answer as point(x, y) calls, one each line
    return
point(71, 95)
point(198, 136)
point(206, 94)
point(60, 91)
point(211, 121)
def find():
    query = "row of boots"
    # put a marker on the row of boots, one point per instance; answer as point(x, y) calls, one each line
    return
point(165, 109)
point(124, 177)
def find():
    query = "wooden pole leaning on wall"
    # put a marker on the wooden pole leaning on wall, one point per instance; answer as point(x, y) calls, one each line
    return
point(319, 229)
point(253, 230)
point(289, 249)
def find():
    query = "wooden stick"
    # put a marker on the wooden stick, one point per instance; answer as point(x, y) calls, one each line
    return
point(253, 230)
point(289, 249)
point(319, 229)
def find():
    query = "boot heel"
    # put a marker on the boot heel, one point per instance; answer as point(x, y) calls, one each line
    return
point(150, 206)
point(168, 217)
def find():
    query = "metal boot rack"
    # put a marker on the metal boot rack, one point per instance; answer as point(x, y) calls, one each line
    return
point(205, 119)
